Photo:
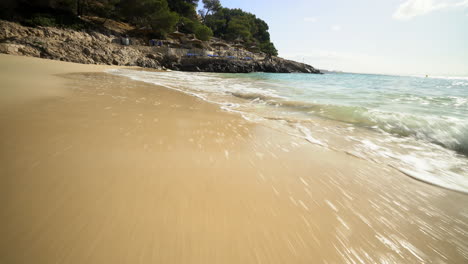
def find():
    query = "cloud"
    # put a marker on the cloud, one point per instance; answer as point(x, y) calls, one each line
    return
point(336, 28)
point(310, 19)
point(412, 8)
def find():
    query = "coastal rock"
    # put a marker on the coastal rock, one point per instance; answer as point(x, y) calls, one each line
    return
point(10, 48)
point(104, 48)
point(86, 51)
point(148, 63)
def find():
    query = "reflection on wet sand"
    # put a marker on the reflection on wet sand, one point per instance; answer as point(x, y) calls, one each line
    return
point(117, 171)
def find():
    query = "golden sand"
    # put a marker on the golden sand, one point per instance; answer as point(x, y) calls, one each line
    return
point(96, 168)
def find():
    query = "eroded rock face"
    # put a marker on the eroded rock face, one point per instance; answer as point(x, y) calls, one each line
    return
point(216, 65)
point(275, 65)
point(92, 47)
point(68, 45)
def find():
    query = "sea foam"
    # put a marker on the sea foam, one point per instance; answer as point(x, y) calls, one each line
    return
point(417, 125)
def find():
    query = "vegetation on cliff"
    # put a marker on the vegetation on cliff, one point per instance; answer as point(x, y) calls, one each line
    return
point(236, 24)
point(158, 17)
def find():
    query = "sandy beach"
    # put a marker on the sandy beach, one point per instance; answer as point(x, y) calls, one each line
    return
point(96, 168)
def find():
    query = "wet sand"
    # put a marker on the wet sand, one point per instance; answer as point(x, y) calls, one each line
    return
point(96, 168)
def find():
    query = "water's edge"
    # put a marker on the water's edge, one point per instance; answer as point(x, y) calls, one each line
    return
point(428, 146)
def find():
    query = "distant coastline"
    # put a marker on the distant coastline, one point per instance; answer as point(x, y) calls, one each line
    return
point(151, 34)
point(454, 77)
point(103, 46)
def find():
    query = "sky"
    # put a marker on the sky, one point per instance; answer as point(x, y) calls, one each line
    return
point(410, 37)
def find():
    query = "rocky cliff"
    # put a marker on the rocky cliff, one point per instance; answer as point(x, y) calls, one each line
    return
point(101, 47)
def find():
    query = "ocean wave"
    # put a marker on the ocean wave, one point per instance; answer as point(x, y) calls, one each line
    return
point(255, 96)
point(449, 132)
point(445, 131)
point(448, 77)
point(430, 123)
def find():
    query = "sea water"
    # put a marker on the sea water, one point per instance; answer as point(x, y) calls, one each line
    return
point(415, 124)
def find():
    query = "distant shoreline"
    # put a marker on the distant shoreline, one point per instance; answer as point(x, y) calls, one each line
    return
point(104, 47)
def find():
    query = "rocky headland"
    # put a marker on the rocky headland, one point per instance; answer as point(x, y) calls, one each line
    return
point(103, 46)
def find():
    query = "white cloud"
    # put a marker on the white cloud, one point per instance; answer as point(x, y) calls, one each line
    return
point(336, 28)
point(310, 19)
point(413, 8)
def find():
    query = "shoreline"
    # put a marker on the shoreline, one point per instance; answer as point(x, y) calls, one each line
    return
point(99, 168)
point(274, 109)
point(95, 46)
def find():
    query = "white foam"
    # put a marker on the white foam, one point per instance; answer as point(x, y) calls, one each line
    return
point(414, 154)
point(307, 134)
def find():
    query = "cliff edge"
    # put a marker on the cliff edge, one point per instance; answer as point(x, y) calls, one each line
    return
point(104, 47)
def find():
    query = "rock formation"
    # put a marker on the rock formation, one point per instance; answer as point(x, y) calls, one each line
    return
point(95, 47)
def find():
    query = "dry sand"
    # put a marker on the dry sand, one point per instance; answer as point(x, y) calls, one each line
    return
point(96, 168)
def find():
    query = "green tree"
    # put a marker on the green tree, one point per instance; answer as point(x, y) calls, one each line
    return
point(269, 48)
point(153, 13)
point(203, 32)
point(217, 22)
point(231, 24)
point(238, 27)
point(261, 31)
point(209, 7)
point(163, 22)
point(185, 8)
point(104, 8)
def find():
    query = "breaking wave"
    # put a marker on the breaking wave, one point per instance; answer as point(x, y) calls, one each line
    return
point(417, 125)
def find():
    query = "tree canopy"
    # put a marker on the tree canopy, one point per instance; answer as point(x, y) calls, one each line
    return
point(153, 13)
point(236, 24)
point(161, 16)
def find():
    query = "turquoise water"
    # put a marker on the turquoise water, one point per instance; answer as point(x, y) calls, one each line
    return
point(433, 109)
point(417, 125)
